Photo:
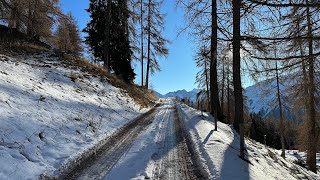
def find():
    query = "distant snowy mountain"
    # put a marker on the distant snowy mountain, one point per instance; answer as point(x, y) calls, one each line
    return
point(260, 98)
point(159, 95)
point(181, 94)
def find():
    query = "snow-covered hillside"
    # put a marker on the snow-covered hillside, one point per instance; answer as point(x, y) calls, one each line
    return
point(218, 152)
point(50, 114)
point(261, 98)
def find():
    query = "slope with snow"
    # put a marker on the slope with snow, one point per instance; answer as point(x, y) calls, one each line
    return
point(218, 152)
point(50, 114)
point(261, 99)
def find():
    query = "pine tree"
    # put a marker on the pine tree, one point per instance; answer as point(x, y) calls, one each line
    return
point(120, 55)
point(117, 43)
point(307, 12)
point(96, 29)
point(156, 43)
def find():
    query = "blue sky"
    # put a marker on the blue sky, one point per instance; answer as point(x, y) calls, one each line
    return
point(178, 70)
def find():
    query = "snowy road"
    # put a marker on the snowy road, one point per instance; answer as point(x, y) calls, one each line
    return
point(172, 160)
point(152, 148)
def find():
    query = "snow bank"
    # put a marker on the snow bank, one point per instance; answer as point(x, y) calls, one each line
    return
point(218, 152)
point(50, 114)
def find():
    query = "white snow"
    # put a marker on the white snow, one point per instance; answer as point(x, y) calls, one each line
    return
point(139, 162)
point(50, 114)
point(295, 155)
point(218, 152)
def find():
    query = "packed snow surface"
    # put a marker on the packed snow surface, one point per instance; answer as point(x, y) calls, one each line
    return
point(218, 152)
point(50, 114)
point(156, 153)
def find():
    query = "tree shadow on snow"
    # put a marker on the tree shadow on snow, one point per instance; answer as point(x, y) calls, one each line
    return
point(233, 167)
point(208, 137)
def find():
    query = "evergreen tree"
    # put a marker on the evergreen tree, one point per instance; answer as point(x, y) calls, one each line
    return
point(111, 42)
point(95, 29)
point(120, 50)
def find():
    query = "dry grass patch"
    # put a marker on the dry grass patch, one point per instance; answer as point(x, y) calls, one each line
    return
point(23, 48)
point(140, 95)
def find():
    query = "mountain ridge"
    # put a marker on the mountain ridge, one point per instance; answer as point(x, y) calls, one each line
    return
point(180, 93)
point(257, 100)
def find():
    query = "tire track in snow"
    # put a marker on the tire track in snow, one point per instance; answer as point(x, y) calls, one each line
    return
point(101, 160)
point(172, 161)
point(160, 139)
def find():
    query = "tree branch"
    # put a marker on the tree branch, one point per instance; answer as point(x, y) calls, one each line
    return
point(290, 4)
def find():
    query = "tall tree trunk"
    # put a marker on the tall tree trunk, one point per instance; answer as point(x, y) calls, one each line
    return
point(141, 22)
point(149, 44)
point(214, 90)
point(228, 96)
point(106, 51)
point(305, 87)
point(305, 81)
point(283, 153)
point(207, 86)
point(304, 73)
point(125, 22)
point(222, 88)
point(238, 117)
point(30, 19)
point(312, 139)
point(125, 18)
point(15, 15)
